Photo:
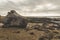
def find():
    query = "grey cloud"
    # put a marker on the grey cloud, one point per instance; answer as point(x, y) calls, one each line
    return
point(28, 4)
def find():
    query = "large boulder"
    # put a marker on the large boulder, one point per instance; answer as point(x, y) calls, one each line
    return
point(14, 20)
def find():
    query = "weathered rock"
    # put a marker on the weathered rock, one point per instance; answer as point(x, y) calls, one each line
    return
point(14, 20)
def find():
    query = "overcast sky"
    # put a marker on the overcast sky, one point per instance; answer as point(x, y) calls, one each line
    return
point(31, 7)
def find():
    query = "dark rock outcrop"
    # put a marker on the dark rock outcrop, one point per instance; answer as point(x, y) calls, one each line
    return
point(14, 20)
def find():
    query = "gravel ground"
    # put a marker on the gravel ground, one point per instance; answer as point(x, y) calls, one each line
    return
point(23, 34)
